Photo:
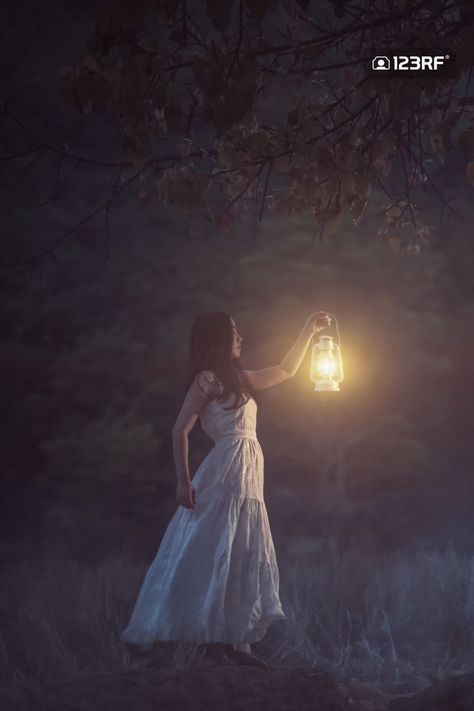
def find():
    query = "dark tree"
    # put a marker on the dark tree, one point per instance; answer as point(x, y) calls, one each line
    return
point(232, 108)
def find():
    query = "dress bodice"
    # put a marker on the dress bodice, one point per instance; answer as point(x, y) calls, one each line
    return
point(218, 422)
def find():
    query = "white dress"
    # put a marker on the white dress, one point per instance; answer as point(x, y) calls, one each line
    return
point(215, 575)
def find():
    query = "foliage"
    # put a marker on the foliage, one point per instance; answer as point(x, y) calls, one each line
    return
point(229, 109)
point(335, 132)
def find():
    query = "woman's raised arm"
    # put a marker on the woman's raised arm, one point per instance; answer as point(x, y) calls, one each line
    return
point(267, 377)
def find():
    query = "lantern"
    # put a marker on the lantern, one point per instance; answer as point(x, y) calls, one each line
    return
point(326, 365)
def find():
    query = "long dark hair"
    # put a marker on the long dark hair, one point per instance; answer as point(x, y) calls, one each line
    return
point(210, 348)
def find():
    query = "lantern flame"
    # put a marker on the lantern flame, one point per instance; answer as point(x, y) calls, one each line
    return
point(326, 365)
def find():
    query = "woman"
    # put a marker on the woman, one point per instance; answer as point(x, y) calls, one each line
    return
point(215, 579)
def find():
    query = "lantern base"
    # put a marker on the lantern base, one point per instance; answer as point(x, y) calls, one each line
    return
point(326, 386)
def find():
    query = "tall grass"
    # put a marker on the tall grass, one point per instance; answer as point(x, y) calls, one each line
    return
point(397, 617)
point(361, 617)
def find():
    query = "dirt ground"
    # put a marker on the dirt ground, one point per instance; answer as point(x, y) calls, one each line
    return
point(214, 687)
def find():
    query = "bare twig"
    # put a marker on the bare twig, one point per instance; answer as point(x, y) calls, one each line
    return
point(53, 246)
point(37, 157)
point(262, 204)
point(239, 42)
point(56, 149)
point(244, 189)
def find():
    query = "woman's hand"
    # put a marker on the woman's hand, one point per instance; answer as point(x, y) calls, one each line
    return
point(318, 321)
point(186, 494)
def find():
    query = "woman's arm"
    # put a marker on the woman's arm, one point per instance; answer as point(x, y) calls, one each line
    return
point(195, 401)
point(266, 377)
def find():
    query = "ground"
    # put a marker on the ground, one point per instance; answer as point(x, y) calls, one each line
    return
point(232, 688)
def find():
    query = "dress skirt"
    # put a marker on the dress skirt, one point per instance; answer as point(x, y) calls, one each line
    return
point(215, 576)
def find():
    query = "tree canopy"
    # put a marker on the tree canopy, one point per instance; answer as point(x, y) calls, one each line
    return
point(232, 109)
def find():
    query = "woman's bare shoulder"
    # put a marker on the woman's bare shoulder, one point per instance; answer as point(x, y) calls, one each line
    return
point(209, 382)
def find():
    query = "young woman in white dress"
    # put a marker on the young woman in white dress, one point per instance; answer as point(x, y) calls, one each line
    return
point(214, 580)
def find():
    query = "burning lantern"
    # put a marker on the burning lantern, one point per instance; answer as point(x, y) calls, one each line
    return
point(326, 364)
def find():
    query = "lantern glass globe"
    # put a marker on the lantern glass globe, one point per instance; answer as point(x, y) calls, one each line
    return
point(326, 365)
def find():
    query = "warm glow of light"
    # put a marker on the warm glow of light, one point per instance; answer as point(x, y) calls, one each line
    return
point(326, 365)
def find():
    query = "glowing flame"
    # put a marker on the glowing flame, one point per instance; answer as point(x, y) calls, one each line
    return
point(326, 365)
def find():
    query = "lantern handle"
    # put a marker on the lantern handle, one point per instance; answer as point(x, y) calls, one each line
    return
point(337, 328)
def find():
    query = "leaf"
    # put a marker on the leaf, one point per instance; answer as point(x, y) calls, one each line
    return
point(231, 106)
point(357, 207)
point(351, 160)
point(324, 160)
point(111, 72)
point(383, 151)
point(184, 188)
point(330, 220)
point(84, 90)
point(281, 164)
point(92, 63)
point(144, 187)
point(178, 36)
point(259, 8)
point(184, 148)
point(307, 186)
point(394, 244)
point(208, 76)
point(424, 234)
point(260, 141)
point(224, 220)
point(173, 115)
point(158, 94)
point(228, 157)
point(134, 81)
point(358, 184)
point(470, 173)
point(135, 140)
point(251, 69)
point(412, 249)
point(292, 117)
point(219, 11)
point(438, 145)
point(159, 57)
point(131, 12)
point(311, 51)
point(393, 213)
point(167, 10)
point(466, 139)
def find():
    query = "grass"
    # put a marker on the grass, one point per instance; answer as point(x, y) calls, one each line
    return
point(400, 618)
point(395, 618)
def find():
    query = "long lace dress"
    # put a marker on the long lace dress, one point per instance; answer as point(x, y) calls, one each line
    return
point(215, 576)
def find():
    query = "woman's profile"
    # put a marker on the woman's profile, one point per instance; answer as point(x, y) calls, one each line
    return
point(214, 580)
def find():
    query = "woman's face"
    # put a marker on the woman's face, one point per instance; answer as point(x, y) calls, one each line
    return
point(237, 341)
